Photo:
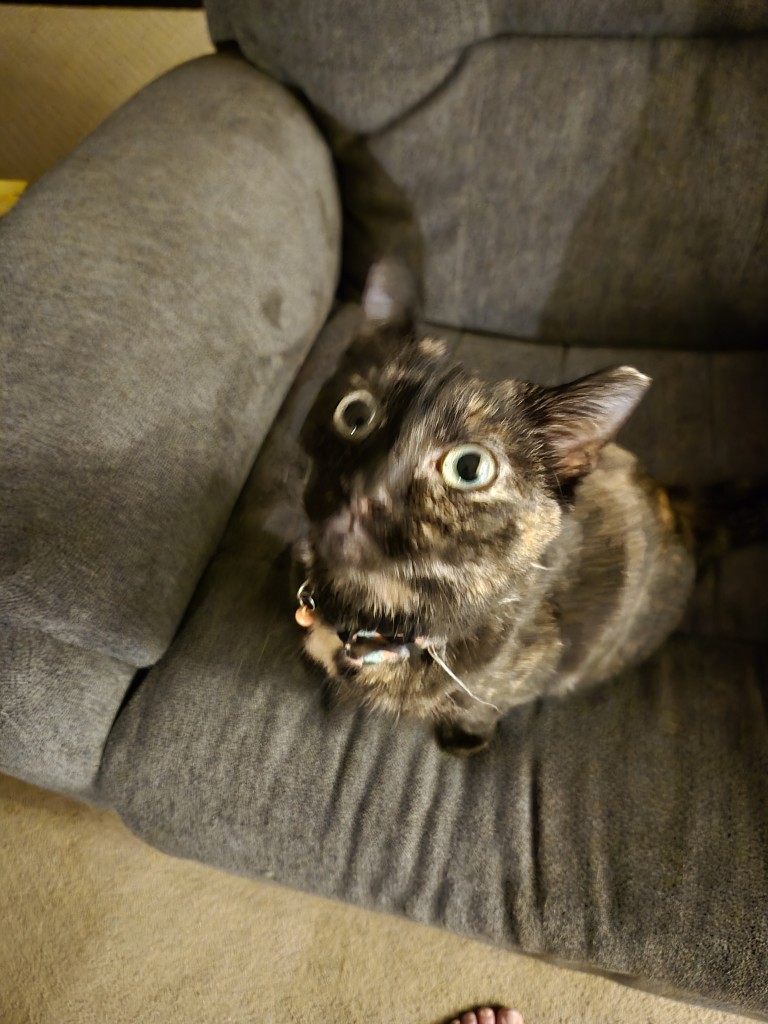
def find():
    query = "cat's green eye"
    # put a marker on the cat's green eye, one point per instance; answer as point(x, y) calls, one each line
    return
point(355, 416)
point(468, 467)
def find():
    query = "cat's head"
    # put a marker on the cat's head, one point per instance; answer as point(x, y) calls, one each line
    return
point(433, 493)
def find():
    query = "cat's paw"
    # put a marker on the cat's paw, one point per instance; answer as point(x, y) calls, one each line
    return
point(461, 742)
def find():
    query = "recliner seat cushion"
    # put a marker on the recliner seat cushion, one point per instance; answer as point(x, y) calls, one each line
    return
point(623, 827)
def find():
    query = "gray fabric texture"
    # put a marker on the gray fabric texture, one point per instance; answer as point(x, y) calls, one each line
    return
point(57, 704)
point(157, 291)
point(342, 52)
point(582, 190)
point(625, 827)
point(606, 190)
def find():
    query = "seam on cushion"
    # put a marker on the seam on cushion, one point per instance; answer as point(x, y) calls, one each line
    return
point(444, 83)
point(133, 687)
point(93, 786)
point(120, 662)
point(11, 622)
point(467, 50)
point(57, 633)
point(590, 343)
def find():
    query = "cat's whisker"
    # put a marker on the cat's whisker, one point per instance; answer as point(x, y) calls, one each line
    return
point(456, 679)
point(510, 600)
point(538, 565)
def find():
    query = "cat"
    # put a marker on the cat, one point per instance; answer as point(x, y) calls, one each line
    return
point(474, 545)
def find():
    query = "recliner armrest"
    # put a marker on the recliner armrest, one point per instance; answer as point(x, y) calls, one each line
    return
point(158, 291)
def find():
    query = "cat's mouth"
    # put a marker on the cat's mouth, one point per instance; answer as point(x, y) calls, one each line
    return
point(386, 640)
point(370, 647)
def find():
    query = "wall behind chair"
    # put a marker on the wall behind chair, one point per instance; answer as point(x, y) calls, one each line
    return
point(64, 69)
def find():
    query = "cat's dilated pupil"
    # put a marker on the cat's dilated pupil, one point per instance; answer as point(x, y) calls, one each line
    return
point(357, 415)
point(467, 467)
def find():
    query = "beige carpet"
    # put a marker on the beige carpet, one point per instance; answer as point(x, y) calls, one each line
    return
point(95, 927)
point(98, 928)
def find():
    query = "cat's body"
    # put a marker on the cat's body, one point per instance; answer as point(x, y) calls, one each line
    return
point(473, 545)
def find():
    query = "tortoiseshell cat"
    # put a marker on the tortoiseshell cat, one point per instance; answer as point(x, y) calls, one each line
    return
point(474, 545)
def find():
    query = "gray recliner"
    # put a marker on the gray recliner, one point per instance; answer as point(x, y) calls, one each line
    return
point(580, 184)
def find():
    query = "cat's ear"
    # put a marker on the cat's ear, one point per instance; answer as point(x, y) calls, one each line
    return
point(579, 418)
point(390, 296)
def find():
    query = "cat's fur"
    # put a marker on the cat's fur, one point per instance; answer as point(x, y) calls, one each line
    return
point(565, 569)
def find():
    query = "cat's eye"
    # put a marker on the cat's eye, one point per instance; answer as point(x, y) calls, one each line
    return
point(355, 416)
point(468, 467)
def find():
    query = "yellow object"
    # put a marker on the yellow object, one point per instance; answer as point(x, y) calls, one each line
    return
point(10, 192)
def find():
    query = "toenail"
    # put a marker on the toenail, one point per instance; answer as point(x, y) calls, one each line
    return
point(486, 1016)
point(507, 1016)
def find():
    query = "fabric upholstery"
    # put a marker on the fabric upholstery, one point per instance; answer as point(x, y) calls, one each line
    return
point(57, 705)
point(438, 28)
point(608, 188)
point(341, 53)
point(624, 827)
point(158, 290)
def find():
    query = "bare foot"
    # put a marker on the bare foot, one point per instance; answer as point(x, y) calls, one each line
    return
point(485, 1015)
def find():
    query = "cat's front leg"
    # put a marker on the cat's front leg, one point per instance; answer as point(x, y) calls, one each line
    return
point(323, 645)
point(468, 731)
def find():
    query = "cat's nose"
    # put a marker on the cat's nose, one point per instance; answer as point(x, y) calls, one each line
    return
point(379, 497)
point(373, 499)
point(369, 495)
point(359, 505)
